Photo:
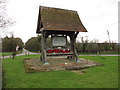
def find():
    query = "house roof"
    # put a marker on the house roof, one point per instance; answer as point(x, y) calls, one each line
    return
point(59, 19)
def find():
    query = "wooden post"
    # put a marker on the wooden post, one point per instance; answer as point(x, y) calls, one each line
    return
point(43, 49)
point(41, 57)
point(73, 39)
point(75, 52)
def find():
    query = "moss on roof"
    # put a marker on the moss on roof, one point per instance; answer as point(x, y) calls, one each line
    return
point(59, 19)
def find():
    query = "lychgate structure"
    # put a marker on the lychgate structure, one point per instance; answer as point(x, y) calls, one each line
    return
point(58, 25)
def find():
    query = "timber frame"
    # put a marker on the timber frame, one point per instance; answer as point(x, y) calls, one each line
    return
point(48, 26)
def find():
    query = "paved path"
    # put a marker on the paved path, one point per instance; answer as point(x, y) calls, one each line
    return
point(31, 53)
point(25, 52)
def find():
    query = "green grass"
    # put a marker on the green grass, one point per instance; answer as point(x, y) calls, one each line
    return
point(96, 77)
point(6, 53)
point(9, 53)
point(110, 53)
point(100, 53)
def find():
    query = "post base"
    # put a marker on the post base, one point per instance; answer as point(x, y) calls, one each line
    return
point(46, 63)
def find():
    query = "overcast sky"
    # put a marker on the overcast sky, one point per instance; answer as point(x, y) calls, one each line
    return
point(97, 16)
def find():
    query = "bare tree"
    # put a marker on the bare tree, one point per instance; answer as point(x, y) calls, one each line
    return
point(109, 39)
point(108, 36)
point(4, 20)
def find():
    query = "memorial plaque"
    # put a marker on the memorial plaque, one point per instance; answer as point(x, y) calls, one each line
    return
point(59, 41)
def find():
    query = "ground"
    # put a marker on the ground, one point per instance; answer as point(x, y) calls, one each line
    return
point(105, 76)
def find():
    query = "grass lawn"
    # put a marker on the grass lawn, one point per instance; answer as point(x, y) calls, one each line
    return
point(100, 53)
point(9, 53)
point(96, 77)
point(6, 53)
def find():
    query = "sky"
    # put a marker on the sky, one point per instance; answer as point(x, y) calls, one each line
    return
point(97, 16)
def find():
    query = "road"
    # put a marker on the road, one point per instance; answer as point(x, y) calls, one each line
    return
point(26, 52)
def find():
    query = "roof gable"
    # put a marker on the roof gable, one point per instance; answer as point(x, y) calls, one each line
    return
point(59, 19)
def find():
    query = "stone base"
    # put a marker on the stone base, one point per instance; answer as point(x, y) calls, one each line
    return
point(57, 64)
